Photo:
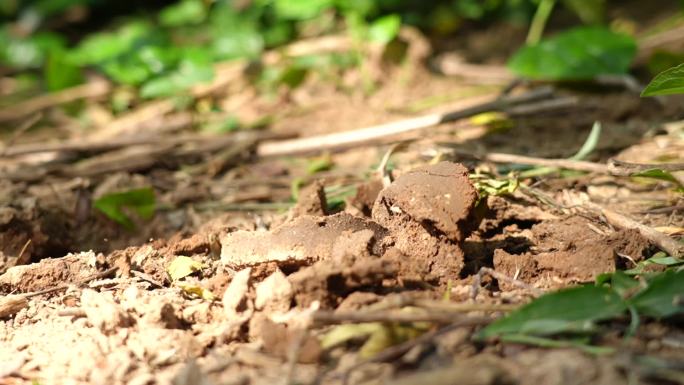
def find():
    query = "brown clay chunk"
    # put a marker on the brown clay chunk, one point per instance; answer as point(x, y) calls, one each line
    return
point(353, 266)
point(427, 211)
point(311, 201)
point(366, 194)
point(567, 251)
point(302, 241)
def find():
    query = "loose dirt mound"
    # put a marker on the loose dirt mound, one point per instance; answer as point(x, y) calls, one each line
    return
point(418, 224)
point(570, 251)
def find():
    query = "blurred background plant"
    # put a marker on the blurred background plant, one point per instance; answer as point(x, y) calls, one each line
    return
point(159, 48)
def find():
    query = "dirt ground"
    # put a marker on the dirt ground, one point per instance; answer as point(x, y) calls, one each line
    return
point(268, 283)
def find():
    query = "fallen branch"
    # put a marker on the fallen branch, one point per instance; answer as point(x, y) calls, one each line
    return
point(663, 241)
point(618, 167)
point(135, 153)
point(369, 134)
point(614, 167)
point(92, 89)
point(79, 145)
point(568, 164)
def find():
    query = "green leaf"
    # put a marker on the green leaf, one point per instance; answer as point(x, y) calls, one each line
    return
point(663, 60)
point(191, 71)
point(318, 164)
point(59, 72)
point(101, 47)
point(554, 344)
point(668, 82)
point(663, 297)
point(622, 283)
point(27, 52)
point(659, 174)
point(578, 54)
point(590, 11)
point(183, 266)
point(301, 9)
point(141, 201)
point(660, 258)
point(570, 310)
point(384, 29)
point(590, 143)
point(185, 12)
point(362, 8)
point(129, 72)
point(487, 186)
point(234, 35)
point(157, 59)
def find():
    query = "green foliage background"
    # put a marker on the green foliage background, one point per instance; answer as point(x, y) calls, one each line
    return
point(163, 47)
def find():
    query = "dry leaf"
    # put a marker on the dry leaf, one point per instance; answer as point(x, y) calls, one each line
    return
point(182, 267)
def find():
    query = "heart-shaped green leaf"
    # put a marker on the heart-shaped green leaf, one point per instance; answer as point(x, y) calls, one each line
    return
point(578, 54)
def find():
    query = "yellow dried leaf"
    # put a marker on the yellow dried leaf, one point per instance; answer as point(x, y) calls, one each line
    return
point(182, 267)
point(671, 230)
point(492, 120)
point(197, 291)
point(343, 333)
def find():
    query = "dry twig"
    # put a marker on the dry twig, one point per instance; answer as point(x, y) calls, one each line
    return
point(92, 89)
point(618, 167)
point(496, 157)
point(23, 127)
point(664, 242)
point(11, 304)
point(477, 282)
point(369, 134)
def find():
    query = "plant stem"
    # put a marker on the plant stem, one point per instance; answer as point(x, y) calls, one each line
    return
point(541, 16)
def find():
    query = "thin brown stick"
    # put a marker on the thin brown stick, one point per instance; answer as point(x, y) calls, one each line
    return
point(92, 89)
point(23, 250)
point(453, 65)
point(663, 210)
point(293, 354)
point(23, 127)
point(101, 145)
point(543, 106)
point(568, 164)
point(454, 307)
point(618, 167)
point(614, 166)
point(72, 312)
point(663, 241)
point(477, 282)
point(370, 134)
point(648, 43)
point(13, 303)
point(96, 145)
point(147, 278)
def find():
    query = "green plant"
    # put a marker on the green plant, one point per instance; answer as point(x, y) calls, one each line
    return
point(577, 311)
point(668, 82)
point(581, 53)
point(140, 201)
